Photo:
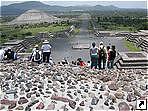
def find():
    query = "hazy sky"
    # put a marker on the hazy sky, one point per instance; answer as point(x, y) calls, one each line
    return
point(121, 4)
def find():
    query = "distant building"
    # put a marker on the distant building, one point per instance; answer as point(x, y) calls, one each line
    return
point(33, 17)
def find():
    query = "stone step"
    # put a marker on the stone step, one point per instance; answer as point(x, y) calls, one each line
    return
point(130, 67)
point(17, 47)
point(134, 60)
point(143, 44)
point(133, 63)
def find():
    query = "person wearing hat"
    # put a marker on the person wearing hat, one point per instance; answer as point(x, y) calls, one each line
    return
point(37, 55)
point(94, 55)
point(46, 50)
point(102, 56)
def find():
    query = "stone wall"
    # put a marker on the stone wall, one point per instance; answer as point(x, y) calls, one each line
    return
point(24, 44)
point(140, 41)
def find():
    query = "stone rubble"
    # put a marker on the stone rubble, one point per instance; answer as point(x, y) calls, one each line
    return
point(27, 86)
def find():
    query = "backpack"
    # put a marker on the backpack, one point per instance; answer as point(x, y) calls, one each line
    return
point(102, 53)
point(37, 55)
point(113, 54)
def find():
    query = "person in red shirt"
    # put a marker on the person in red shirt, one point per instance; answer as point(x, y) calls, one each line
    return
point(80, 62)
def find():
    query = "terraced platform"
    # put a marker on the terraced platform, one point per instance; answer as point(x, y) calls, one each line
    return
point(132, 60)
point(81, 46)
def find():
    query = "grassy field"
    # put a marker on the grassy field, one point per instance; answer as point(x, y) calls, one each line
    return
point(131, 46)
point(51, 28)
point(19, 33)
point(114, 27)
point(76, 31)
point(122, 28)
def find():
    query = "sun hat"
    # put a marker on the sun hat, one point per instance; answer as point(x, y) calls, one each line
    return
point(101, 43)
point(36, 46)
point(45, 42)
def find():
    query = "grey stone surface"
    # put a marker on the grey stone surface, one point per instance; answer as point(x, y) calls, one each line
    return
point(34, 16)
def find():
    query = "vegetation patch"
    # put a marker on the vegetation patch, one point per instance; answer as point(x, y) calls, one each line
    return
point(76, 31)
point(50, 28)
point(131, 46)
point(10, 32)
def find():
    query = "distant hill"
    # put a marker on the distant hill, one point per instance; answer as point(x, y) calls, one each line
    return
point(19, 8)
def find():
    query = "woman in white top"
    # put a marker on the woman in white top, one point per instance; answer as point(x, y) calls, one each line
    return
point(94, 55)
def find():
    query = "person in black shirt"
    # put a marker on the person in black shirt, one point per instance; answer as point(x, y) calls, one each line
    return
point(112, 56)
point(9, 54)
point(102, 56)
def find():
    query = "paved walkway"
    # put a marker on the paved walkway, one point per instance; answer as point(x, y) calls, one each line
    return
point(62, 47)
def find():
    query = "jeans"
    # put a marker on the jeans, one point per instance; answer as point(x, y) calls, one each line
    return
point(46, 56)
point(94, 61)
point(108, 64)
point(100, 63)
point(111, 63)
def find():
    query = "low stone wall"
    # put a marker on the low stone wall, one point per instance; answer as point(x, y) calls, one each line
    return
point(139, 41)
point(24, 44)
point(132, 60)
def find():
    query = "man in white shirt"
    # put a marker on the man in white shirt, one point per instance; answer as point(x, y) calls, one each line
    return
point(46, 50)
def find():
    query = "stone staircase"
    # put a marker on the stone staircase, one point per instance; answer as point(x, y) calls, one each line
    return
point(25, 44)
point(132, 60)
point(139, 41)
point(144, 44)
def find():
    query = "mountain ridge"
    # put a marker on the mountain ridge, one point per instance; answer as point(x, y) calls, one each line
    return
point(19, 8)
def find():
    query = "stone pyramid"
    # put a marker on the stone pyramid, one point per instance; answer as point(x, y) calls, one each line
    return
point(34, 16)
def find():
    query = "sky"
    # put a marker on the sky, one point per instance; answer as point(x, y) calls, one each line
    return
point(120, 4)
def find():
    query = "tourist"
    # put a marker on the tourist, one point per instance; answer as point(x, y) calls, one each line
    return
point(2, 52)
point(37, 56)
point(108, 57)
point(46, 49)
point(94, 55)
point(112, 55)
point(34, 49)
point(102, 56)
point(80, 62)
point(10, 54)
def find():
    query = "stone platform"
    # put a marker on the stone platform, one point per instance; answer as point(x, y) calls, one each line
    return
point(132, 60)
point(81, 46)
point(12, 42)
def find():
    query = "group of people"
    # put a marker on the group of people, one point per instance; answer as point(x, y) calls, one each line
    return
point(102, 56)
point(8, 54)
point(38, 55)
point(42, 55)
